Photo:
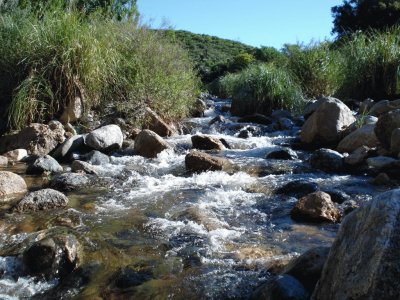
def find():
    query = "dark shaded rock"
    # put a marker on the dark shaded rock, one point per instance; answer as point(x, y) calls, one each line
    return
point(95, 158)
point(44, 164)
point(384, 106)
point(244, 134)
point(128, 278)
point(284, 154)
point(11, 183)
point(307, 268)
point(217, 119)
point(41, 200)
point(337, 196)
point(73, 144)
point(283, 287)
point(327, 160)
point(358, 156)
point(364, 136)
point(105, 138)
point(316, 207)
point(364, 261)
point(382, 179)
point(281, 113)
point(285, 124)
point(201, 162)
point(385, 126)
point(69, 182)
point(298, 188)
point(256, 118)
point(149, 144)
point(199, 107)
point(381, 162)
point(204, 142)
point(225, 143)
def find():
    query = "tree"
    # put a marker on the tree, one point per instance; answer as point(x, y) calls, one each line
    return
point(362, 15)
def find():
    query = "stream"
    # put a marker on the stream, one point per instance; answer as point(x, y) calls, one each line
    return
point(211, 235)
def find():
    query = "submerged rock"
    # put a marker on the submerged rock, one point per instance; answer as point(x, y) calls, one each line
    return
point(201, 162)
point(327, 160)
point(282, 287)
point(149, 144)
point(44, 164)
point(298, 188)
point(11, 183)
point(364, 261)
point(105, 138)
point(315, 207)
point(69, 182)
point(204, 142)
point(128, 277)
point(41, 200)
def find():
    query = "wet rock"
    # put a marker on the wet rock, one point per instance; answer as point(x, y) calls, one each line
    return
point(283, 154)
point(149, 144)
point(73, 144)
point(201, 162)
point(217, 119)
point(385, 126)
point(395, 141)
point(364, 136)
point(204, 142)
point(364, 261)
point(337, 196)
point(315, 207)
point(11, 183)
point(105, 138)
point(81, 166)
point(225, 108)
point(307, 268)
point(285, 124)
point(225, 143)
point(199, 216)
point(326, 125)
point(256, 118)
point(199, 107)
point(68, 182)
point(73, 111)
point(157, 125)
point(128, 277)
point(282, 287)
point(380, 162)
point(44, 164)
point(41, 200)
point(358, 156)
point(298, 188)
point(384, 106)
point(382, 179)
point(53, 256)
point(244, 134)
point(95, 158)
point(327, 160)
point(16, 155)
point(37, 139)
point(3, 161)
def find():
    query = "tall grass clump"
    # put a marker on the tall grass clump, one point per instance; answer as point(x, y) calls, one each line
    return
point(260, 89)
point(316, 67)
point(371, 67)
point(49, 59)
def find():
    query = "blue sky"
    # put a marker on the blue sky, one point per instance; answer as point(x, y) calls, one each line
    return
point(254, 22)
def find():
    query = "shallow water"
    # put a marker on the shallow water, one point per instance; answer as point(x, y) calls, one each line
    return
point(204, 236)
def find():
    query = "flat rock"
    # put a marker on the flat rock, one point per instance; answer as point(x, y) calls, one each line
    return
point(41, 200)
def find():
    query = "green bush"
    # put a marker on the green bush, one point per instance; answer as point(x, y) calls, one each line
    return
point(371, 67)
point(47, 61)
point(316, 67)
point(260, 89)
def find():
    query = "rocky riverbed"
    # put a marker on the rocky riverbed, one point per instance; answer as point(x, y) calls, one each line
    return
point(215, 209)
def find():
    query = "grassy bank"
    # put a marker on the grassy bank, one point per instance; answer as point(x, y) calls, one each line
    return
point(48, 59)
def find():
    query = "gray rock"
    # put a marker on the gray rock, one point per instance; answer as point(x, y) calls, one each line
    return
point(44, 164)
point(327, 160)
point(217, 119)
point(364, 136)
point(307, 268)
point(385, 126)
point(95, 158)
point(357, 156)
point(3, 161)
point(11, 183)
point(105, 138)
point(326, 125)
point(204, 142)
point(283, 154)
point(384, 106)
point(149, 144)
point(78, 166)
point(364, 261)
point(69, 182)
point(41, 200)
point(316, 207)
point(380, 162)
point(199, 107)
point(283, 287)
point(71, 145)
point(395, 141)
point(201, 162)
point(298, 188)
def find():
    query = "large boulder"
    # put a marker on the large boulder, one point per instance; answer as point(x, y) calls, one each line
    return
point(11, 183)
point(105, 138)
point(385, 126)
point(44, 164)
point(71, 145)
point(41, 200)
point(37, 139)
point(384, 106)
point(205, 142)
point(364, 261)
point(364, 136)
point(327, 160)
point(149, 144)
point(201, 162)
point(156, 124)
point(316, 207)
point(326, 125)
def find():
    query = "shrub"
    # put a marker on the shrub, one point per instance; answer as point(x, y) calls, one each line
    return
point(47, 61)
point(260, 89)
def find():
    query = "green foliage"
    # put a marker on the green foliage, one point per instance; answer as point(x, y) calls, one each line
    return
point(354, 15)
point(316, 68)
point(46, 62)
point(240, 61)
point(371, 66)
point(270, 55)
point(261, 88)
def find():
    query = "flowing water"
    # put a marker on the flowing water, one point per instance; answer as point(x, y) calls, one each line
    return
point(202, 236)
